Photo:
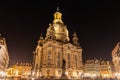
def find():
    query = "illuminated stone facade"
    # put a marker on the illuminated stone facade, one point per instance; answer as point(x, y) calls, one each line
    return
point(106, 69)
point(55, 54)
point(116, 60)
point(94, 68)
point(4, 57)
point(116, 57)
point(22, 70)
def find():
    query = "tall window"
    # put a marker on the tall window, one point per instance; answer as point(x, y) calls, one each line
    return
point(59, 72)
point(68, 56)
point(68, 64)
point(58, 64)
point(76, 60)
point(58, 55)
point(48, 63)
point(58, 60)
point(75, 57)
point(49, 55)
point(68, 60)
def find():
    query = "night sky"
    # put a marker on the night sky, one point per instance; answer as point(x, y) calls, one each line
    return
point(97, 24)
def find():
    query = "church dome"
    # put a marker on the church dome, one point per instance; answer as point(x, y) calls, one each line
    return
point(60, 30)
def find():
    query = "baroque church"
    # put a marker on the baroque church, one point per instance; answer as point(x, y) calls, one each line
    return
point(54, 55)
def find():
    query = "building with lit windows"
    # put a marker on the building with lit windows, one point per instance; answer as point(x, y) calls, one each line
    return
point(22, 70)
point(116, 59)
point(92, 68)
point(106, 69)
point(4, 57)
point(95, 68)
point(54, 55)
